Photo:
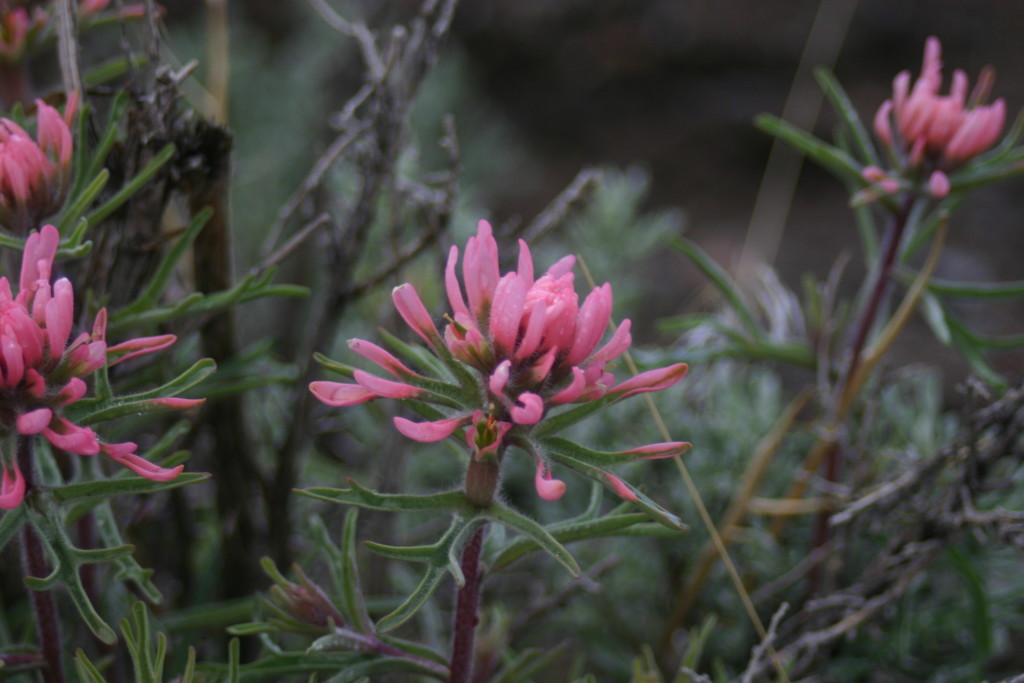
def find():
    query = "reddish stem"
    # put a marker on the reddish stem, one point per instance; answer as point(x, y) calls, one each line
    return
point(35, 565)
point(466, 611)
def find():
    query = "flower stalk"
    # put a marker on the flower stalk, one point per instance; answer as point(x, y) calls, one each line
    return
point(467, 606)
point(35, 565)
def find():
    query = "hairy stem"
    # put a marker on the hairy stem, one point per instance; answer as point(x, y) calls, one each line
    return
point(34, 561)
point(466, 611)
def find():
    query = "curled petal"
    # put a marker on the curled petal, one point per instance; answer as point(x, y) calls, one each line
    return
point(415, 314)
point(615, 347)
point(34, 383)
point(339, 395)
point(572, 391)
point(137, 347)
point(429, 432)
point(548, 488)
point(499, 378)
point(534, 331)
point(124, 454)
point(72, 438)
point(883, 123)
point(451, 285)
point(35, 421)
point(528, 410)
point(12, 488)
point(652, 380)
point(385, 388)
point(381, 357)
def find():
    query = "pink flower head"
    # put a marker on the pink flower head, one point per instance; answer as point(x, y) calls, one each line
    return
point(518, 348)
point(18, 29)
point(42, 367)
point(920, 125)
point(35, 175)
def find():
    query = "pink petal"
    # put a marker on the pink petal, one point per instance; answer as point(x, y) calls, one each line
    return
point(619, 487)
point(59, 314)
point(591, 323)
point(415, 314)
point(572, 391)
point(385, 388)
point(652, 380)
point(35, 421)
point(124, 454)
point(529, 410)
point(12, 489)
point(429, 432)
point(615, 347)
point(506, 313)
point(376, 354)
point(938, 184)
point(40, 248)
point(499, 378)
point(14, 365)
point(138, 347)
point(656, 451)
point(548, 488)
point(451, 284)
point(525, 268)
point(480, 269)
point(174, 403)
point(339, 395)
point(883, 123)
point(562, 266)
point(70, 437)
point(534, 331)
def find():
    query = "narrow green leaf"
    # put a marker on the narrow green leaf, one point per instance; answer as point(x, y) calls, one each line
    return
point(534, 531)
point(128, 485)
point(366, 498)
point(836, 161)
point(87, 671)
point(936, 318)
point(527, 664)
point(133, 186)
point(353, 605)
point(848, 113)
point(976, 290)
point(109, 137)
point(10, 524)
point(721, 280)
point(73, 211)
point(151, 294)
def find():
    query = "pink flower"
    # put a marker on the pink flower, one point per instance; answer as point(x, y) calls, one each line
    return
point(944, 131)
point(35, 175)
point(519, 347)
point(41, 372)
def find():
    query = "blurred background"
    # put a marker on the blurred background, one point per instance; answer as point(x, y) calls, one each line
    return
point(664, 91)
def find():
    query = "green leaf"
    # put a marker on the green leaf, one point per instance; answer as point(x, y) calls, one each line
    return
point(976, 290)
point(527, 664)
point(73, 211)
point(848, 113)
point(127, 567)
point(87, 671)
point(535, 532)
point(442, 560)
point(366, 498)
point(91, 411)
point(981, 618)
point(590, 456)
point(11, 523)
point(133, 186)
point(151, 294)
point(722, 282)
point(835, 160)
point(936, 318)
point(629, 524)
point(656, 512)
point(352, 604)
point(129, 484)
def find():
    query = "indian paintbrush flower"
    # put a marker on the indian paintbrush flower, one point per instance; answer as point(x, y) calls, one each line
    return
point(934, 133)
point(521, 353)
point(35, 175)
point(41, 372)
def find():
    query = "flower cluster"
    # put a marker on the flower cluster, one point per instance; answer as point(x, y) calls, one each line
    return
point(516, 347)
point(41, 373)
point(933, 132)
point(35, 175)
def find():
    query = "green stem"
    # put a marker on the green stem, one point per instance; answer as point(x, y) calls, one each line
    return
point(35, 564)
